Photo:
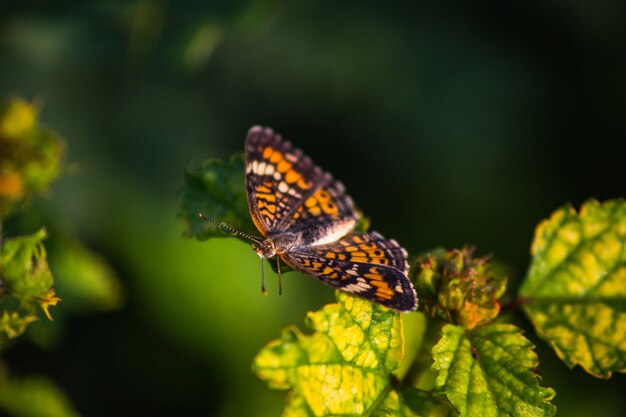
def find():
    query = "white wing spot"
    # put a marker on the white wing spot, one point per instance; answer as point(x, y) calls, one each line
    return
point(277, 176)
point(283, 187)
point(260, 168)
point(359, 287)
point(399, 288)
point(269, 169)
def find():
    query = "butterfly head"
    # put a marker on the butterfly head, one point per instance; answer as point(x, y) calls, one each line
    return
point(265, 249)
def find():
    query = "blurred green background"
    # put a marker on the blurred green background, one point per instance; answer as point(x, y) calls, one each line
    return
point(449, 123)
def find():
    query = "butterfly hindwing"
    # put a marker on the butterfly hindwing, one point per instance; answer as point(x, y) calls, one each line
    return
point(284, 186)
point(366, 265)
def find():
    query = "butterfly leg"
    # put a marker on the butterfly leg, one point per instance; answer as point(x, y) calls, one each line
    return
point(263, 290)
point(280, 276)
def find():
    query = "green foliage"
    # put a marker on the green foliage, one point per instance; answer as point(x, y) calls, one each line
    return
point(455, 286)
point(345, 367)
point(349, 365)
point(34, 397)
point(575, 289)
point(31, 158)
point(488, 371)
point(25, 266)
point(26, 279)
point(14, 324)
point(84, 277)
point(216, 190)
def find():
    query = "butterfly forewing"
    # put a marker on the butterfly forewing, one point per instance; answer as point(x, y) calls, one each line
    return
point(292, 200)
point(366, 265)
point(284, 187)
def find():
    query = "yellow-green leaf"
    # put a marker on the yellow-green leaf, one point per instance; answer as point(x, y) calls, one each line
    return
point(13, 324)
point(344, 367)
point(390, 404)
point(34, 397)
point(575, 289)
point(24, 266)
point(488, 372)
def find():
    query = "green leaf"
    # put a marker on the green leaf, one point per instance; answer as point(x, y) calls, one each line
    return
point(425, 404)
point(488, 371)
point(24, 267)
point(344, 368)
point(216, 190)
point(575, 289)
point(12, 324)
point(34, 397)
point(389, 405)
point(84, 278)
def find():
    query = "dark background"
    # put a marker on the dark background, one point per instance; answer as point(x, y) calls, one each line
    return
point(450, 123)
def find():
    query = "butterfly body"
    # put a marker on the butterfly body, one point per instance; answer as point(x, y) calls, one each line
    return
point(307, 220)
point(303, 237)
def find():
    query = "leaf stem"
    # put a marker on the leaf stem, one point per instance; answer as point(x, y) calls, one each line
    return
point(513, 304)
point(380, 398)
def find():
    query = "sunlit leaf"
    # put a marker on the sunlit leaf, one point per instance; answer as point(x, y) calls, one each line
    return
point(14, 324)
point(344, 367)
point(575, 290)
point(488, 371)
point(34, 397)
point(216, 190)
point(24, 266)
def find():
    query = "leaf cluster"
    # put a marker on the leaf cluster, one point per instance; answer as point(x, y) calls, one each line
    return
point(471, 362)
point(31, 157)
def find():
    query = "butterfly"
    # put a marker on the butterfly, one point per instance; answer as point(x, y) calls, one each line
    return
point(307, 221)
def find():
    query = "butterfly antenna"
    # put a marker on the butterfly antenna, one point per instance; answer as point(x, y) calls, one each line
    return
point(263, 290)
point(228, 228)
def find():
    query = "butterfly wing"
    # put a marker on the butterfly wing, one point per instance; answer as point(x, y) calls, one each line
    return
point(366, 265)
point(285, 188)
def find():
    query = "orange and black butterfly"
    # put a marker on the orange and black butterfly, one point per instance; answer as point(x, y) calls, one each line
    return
point(307, 221)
